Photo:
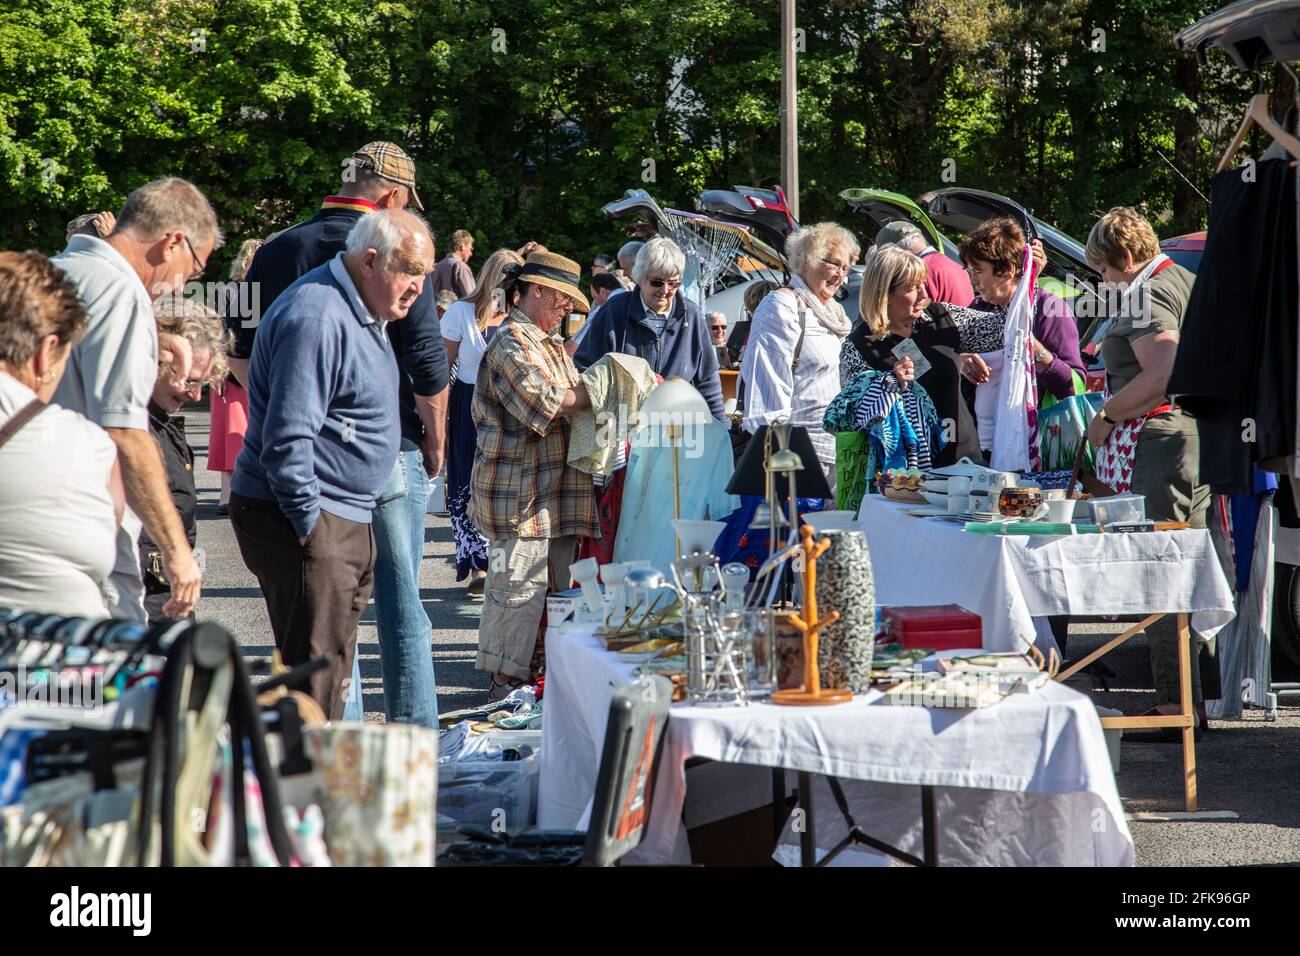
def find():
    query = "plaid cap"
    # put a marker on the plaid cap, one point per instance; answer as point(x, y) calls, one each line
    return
point(389, 161)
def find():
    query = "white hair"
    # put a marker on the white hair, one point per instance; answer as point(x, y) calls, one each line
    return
point(385, 231)
point(811, 243)
point(660, 256)
point(627, 252)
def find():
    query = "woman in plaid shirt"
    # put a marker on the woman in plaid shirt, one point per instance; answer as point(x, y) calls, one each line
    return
point(524, 498)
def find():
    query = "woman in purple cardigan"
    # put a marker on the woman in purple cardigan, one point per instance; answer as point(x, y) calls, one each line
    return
point(993, 255)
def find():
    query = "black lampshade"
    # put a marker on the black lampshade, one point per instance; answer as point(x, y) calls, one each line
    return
point(750, 479)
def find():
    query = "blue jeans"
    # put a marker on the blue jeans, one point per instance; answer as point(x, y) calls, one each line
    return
point(405, 635)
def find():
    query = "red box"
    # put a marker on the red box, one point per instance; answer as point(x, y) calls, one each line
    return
point(939, 627)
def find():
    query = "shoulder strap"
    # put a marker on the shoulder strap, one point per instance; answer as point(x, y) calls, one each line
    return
point(20, 418)
point(803, 330)
point(798, 347)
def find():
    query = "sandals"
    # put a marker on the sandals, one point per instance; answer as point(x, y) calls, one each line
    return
point(500, 691)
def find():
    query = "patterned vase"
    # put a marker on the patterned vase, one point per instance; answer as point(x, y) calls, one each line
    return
point(845, 584)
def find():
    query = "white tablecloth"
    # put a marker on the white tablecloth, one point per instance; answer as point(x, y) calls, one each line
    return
point(1009, 580)
point(1048, 744)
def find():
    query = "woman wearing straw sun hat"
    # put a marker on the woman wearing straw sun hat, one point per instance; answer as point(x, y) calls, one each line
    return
point(524, 496)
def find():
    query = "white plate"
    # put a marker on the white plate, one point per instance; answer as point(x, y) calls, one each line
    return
point(938, 500)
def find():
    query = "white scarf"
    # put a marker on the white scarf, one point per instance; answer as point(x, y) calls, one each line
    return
point(830, 314)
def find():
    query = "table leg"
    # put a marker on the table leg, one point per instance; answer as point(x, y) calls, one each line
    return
point(807, 839)
point(1188, 710)
point(929, 832)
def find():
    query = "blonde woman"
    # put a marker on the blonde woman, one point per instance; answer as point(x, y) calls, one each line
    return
point(210, 344)
point(791, 365)
point(893, 308)
point(229, 419)
point(467, 326)
point(1144, 443)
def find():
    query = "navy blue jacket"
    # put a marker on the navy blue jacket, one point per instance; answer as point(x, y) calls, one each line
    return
point(416, 339)
point(684, 349)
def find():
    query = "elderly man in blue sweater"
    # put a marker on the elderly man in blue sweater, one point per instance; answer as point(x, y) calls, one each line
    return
point(656, 322)
point(323, 433)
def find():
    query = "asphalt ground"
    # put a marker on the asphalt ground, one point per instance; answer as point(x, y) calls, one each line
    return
point(1249, 766)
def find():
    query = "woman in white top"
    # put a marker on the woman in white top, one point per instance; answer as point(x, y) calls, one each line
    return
point(791, 365)
point(61, 495)
point(466, 327)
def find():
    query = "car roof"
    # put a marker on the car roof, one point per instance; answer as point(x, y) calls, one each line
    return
point(1191, 242)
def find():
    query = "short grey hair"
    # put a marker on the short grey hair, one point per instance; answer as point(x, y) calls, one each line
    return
point(811, 243)
point(386, 231)
point(660, 256)
point(168, 205)
point(629, 250)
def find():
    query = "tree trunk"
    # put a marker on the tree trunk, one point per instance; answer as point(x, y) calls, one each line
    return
point(1189, 208)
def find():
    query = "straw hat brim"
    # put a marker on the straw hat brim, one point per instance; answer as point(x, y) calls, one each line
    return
point(580, 301)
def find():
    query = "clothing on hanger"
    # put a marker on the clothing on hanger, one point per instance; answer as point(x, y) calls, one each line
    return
point(1238, 347)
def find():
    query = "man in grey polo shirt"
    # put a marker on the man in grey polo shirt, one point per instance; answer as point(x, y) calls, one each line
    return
point(163, 237)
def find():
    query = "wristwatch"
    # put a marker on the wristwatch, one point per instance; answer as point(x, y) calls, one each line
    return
point(1106, 418)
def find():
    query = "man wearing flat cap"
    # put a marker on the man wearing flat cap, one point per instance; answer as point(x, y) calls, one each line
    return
point(524, 496)
point(379, 176)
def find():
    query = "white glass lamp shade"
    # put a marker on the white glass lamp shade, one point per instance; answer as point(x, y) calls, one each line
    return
point(697, 535)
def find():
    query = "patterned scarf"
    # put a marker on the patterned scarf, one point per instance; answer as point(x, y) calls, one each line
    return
point(830, 314)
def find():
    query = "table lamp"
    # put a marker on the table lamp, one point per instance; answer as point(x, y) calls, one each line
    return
point(674, 404)
point(755, 477)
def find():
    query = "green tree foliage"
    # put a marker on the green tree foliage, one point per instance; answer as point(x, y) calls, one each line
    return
point(526, 116)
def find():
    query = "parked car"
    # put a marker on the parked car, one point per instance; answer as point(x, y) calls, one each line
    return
point(1185, 250)
point(765, 213)
point(946, 215)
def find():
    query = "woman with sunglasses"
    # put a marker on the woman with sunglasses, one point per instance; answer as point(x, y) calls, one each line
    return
point(656, 322)
point(791, 366)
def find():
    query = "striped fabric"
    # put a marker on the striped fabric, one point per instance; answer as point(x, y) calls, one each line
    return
point(881, 398)
point(522, 485)
point(773, 391)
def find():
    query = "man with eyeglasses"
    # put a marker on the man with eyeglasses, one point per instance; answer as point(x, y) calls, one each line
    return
point(380, 176)
point(162, 239)
point(657, 323)
point(525, 497)
point(323, 432)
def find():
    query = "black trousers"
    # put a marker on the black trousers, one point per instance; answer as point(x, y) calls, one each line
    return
point(315, 593)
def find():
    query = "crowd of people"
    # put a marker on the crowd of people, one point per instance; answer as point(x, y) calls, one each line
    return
point(372, 366)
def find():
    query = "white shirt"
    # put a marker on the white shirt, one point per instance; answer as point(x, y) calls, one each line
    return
point(340, 273)
point(112, 370)
point(58, 532)
point(459, 324)
point(772, 391)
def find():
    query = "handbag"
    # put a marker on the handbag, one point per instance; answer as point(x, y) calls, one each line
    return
point(1063, 426)
point(739, 437)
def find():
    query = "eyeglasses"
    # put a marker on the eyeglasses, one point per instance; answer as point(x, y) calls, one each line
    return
point(717, 328)
point(568, 300)
point(190, 384)
point(202, 266)
point(660, 283)
point(835, 266)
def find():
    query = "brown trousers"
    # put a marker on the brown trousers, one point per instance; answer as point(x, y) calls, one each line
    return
point(315, 593)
